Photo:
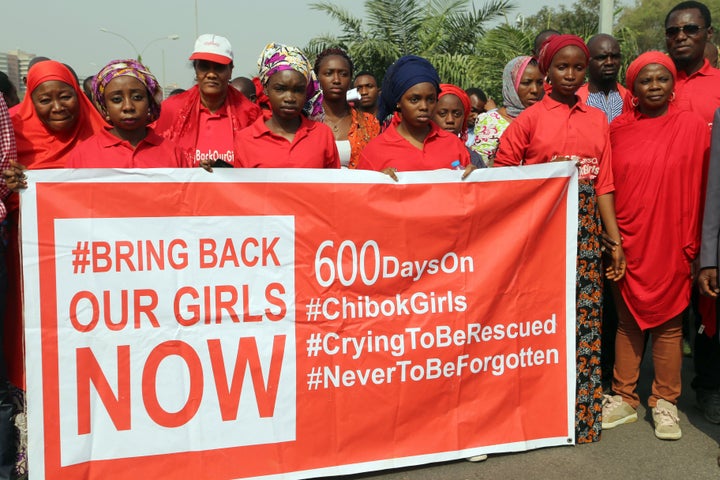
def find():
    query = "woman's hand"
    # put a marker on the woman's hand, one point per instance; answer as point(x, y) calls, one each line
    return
point(608, 244)
point(708, 282)
point(468, 170)
point(616, 270)
point(207, 164)
point(391, 171)
point(15, 177)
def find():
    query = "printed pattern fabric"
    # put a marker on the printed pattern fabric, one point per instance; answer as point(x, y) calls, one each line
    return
point(488, 129)
point(589, 393)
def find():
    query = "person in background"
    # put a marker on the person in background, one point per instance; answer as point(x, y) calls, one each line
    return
point(34, 61)
point(246, 87)
point(412, 141)
point(540, 40)
point(8, 90)
point(129, 98)
point(451, 114)
point(204, 121)
point(559, 128)
point(52, 120)
point(352, 128)
point(659, 158)
point(293, 136)
point(479, 104)
point(88, 86)
point(688, 27)
point(369, 90)
point(522, 87)
point(602, 89)
point(176, 91)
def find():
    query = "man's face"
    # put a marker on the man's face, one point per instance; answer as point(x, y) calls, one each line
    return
point(605, 60)
point(685, 35)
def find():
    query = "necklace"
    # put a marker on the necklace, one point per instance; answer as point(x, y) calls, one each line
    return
point(335, 125)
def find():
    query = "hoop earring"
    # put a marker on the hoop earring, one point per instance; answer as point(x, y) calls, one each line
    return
point(672, 96)
point(635, 101)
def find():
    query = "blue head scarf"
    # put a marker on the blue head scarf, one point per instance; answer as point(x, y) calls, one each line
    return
point(406, 72)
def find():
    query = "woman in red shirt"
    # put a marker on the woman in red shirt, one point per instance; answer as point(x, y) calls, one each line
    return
point(560, 127)
point(659, 158)
point(291, 137)
point(412, 141)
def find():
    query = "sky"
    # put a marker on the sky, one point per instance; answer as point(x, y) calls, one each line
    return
point(69, 30)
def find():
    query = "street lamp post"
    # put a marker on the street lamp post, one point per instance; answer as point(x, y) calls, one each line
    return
point(139, 53)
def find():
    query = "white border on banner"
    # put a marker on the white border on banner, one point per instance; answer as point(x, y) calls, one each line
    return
point(31, 278)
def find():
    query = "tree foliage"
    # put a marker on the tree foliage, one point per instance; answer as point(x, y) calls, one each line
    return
point(582, 18)
point(446, 32)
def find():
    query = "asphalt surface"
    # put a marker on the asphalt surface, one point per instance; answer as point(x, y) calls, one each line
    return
point(628, 451)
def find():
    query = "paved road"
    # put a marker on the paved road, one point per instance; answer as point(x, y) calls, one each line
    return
point(626, 452)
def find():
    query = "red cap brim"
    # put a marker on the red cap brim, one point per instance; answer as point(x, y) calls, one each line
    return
point(211, 57)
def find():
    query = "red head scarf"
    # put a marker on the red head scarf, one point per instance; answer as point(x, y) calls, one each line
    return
point(644, 60)
point(554, 44)
point(450, 89)
point(38, 147)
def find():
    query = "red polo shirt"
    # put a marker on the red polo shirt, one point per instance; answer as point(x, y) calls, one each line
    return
point(105, 150)
point(699, 92)
point(390, 149)
point(312, 147)
point(551, 129)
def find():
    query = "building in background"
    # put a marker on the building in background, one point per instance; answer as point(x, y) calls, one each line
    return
point(15, 64)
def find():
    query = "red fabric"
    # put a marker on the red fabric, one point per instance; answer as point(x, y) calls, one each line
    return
point(217, 140)
point(644, 60)
point(556, 43)
point(390, 149)
point(625, 94)
point(659, 168)
point(450, 89)
point(549, 128)
point(312, 147)
point(699, 92)
point(105, 150)
point(179, 119)
point(37, 148)
point(262, 100)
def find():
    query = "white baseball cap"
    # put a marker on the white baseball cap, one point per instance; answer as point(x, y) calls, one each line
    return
point(212, 48)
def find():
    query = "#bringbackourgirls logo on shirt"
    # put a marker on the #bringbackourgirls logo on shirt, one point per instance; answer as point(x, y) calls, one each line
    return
point(227, 157)
point(588, 168)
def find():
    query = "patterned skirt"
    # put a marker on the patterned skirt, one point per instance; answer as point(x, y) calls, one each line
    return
point(589, 282)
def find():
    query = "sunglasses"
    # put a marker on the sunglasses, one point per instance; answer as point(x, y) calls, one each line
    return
point(689, 30)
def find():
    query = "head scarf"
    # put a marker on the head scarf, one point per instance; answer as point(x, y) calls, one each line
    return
point(512, 74)
point(38, 147)
point(128, 68)
point(450, 89)
point(277, 57)
point(644, 60)
point(406, 72)
point(554, 44)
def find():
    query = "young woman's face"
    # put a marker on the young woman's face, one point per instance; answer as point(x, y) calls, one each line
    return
point(653, 88)
point(334, 77)
point(449, 113)
point(567, 71)
point(417, 104)
point(56, 105)
point(127, 103)
point(530, 89)
point(287, 92)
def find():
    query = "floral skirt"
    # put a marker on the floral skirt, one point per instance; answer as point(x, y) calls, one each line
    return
point(589, 281)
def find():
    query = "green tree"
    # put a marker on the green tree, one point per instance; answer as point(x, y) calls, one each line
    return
point(582, 18)
point(646, 18)
point(446, 32)
point(495, 50)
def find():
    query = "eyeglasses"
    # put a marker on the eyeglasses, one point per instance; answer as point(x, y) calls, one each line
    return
point(690, 30)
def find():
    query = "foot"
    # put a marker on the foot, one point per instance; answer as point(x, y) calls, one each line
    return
point(616, 411)
point(709, 403)
point(667, 422)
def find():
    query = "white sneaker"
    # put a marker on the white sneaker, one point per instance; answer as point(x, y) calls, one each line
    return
point(616, 411)
point(667, 422)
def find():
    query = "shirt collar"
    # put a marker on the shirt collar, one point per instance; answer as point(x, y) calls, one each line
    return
point(551, 104)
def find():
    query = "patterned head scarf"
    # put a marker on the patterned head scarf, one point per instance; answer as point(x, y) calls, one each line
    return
point(512, 74)
point(402, 75)
point(130, 68)
point(277, 57)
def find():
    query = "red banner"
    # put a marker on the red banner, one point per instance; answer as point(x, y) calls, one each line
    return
point(258, 323)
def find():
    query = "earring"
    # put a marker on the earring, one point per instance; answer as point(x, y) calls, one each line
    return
point(635, 101)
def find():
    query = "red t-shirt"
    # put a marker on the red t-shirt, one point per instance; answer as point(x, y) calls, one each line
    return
point(550, 129)
point(390, 149)
point(216, 142)
point(105, 150)
point(699, 92)
point(312, 147)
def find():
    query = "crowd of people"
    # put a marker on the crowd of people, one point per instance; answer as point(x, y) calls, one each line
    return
point(648, 154)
